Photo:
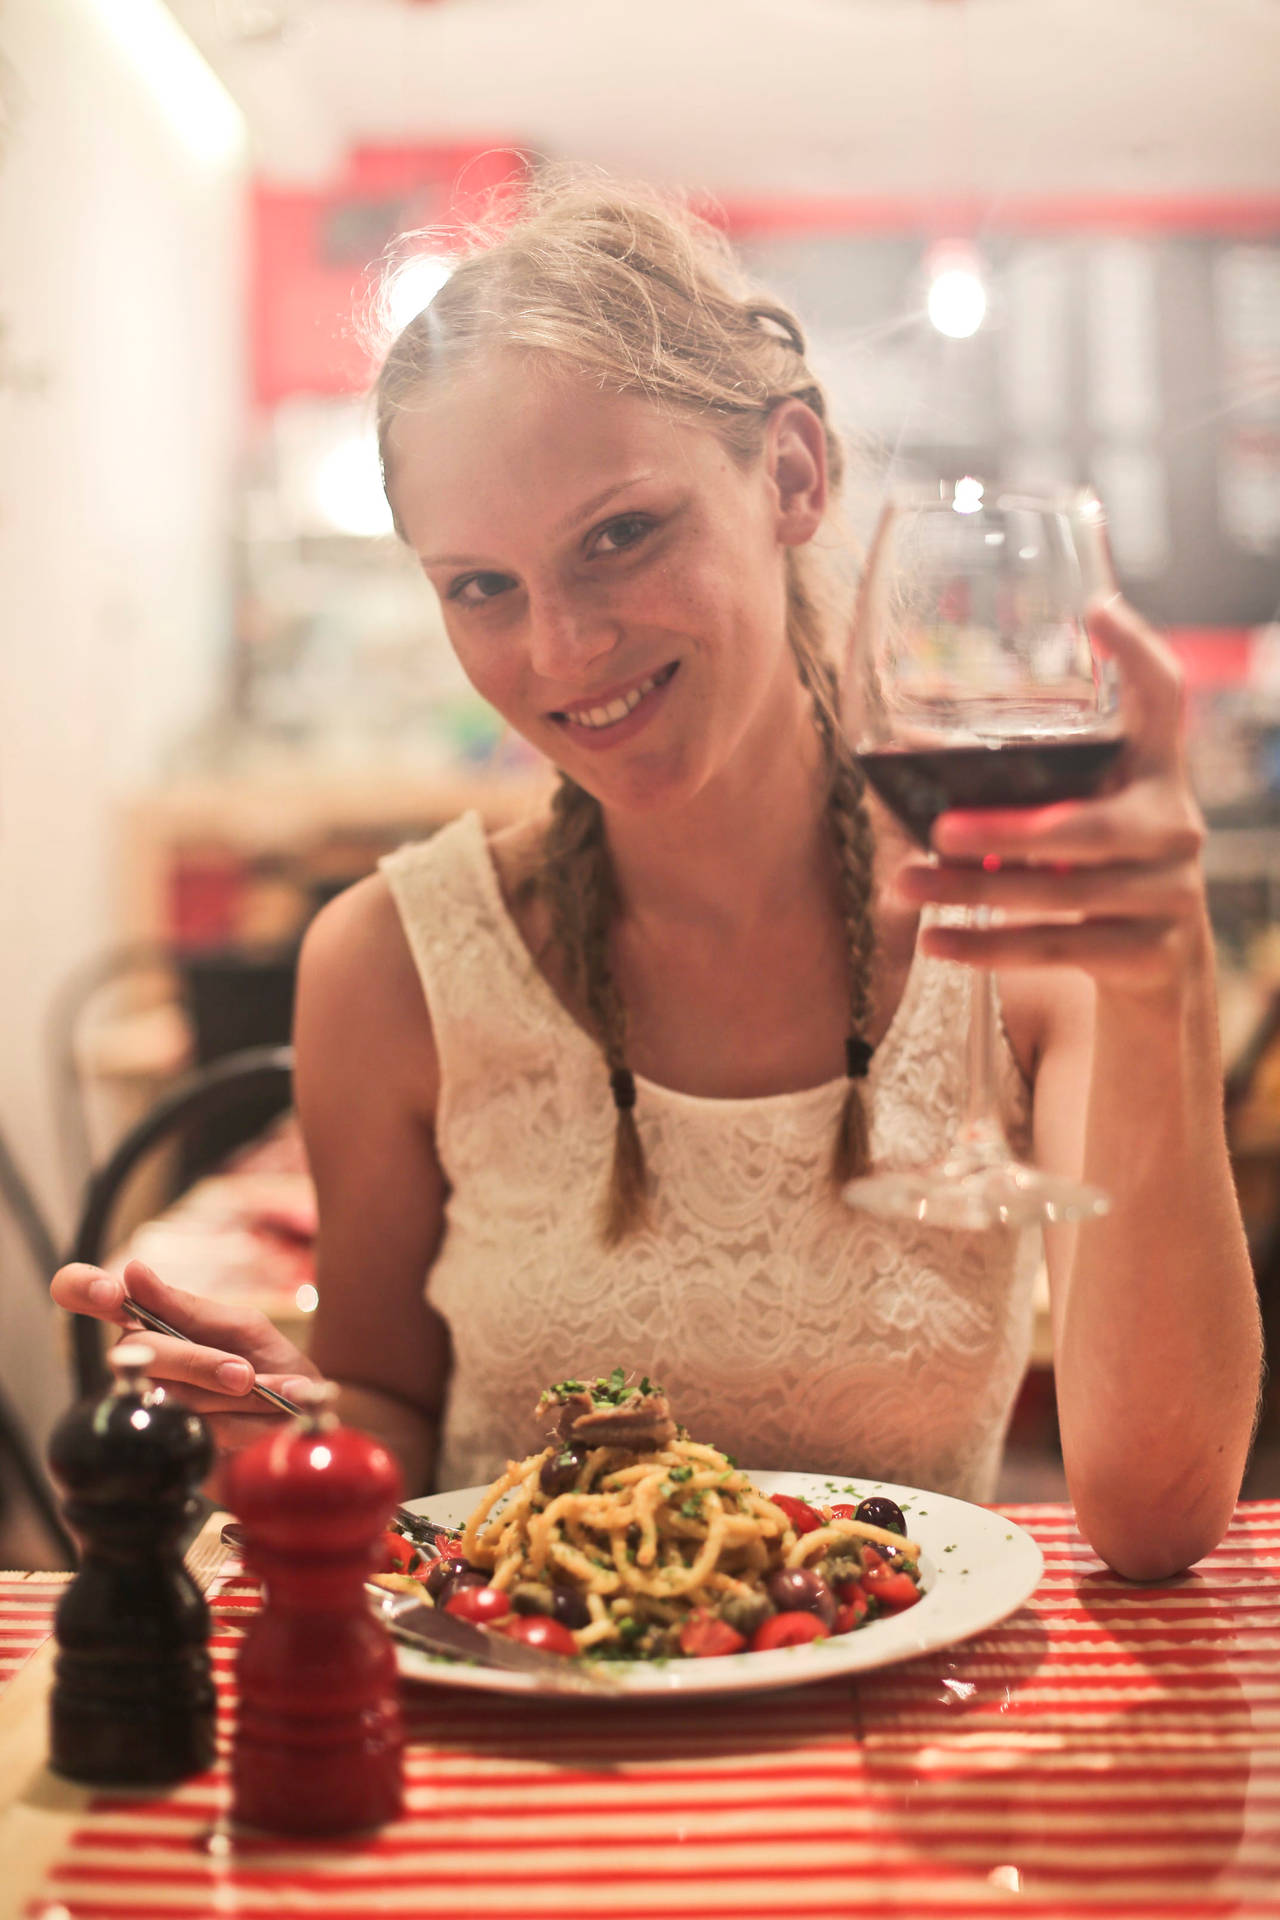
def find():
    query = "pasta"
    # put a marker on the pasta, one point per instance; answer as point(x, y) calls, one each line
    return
point(662, 1545)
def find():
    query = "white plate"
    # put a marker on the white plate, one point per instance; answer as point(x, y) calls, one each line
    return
point(977, 1567)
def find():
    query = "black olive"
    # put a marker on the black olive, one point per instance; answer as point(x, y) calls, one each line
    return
point(560, 1471)
point(801, 1590)
point(879, 1511)
point(446, 1576)
point(569, 1608)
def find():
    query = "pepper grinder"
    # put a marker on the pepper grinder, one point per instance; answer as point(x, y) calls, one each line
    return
point(318, 1746)
point(133, 1698)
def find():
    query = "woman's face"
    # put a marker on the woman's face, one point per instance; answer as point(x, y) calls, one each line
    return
point(612, 579)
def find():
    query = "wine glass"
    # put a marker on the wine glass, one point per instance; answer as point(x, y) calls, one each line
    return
point(972, 682)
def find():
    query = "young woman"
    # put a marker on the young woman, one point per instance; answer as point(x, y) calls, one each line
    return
point(584, 1093)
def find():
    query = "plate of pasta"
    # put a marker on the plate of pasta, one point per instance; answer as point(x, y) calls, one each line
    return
point(626, 1543)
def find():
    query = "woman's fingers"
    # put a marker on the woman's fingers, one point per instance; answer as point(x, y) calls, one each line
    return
point(209, 1323)
point(201, 1401)
point(1152, 690)
point(181, 1363)
point(227, 1347)
point(84, 1289)
point(1145, 891)
point(1147, 821)
point(1133, 953)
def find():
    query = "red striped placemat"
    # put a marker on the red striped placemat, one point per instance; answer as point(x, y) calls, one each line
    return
point(1107, 1751)
point(27, 1602)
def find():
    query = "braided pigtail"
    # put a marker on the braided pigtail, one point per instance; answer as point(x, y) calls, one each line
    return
point(855, 843)
point(582, 895)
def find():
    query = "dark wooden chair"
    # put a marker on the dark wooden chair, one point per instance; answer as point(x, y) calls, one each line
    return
point(17, 1454)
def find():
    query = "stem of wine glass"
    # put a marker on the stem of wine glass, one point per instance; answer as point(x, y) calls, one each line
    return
point(981, 1135)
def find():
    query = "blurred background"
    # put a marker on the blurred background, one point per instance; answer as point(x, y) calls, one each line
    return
point(1033, 237)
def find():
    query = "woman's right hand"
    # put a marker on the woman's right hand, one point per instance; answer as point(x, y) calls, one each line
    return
point(214, 1376)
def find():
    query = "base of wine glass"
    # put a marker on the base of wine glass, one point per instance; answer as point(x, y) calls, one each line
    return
point(976, 1194)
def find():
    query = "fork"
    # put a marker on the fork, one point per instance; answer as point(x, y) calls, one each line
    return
point(423, 1532)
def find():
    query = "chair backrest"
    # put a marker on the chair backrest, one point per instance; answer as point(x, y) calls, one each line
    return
point(236, 1080)
point(27, 1215)
point(220, 1000)
point(17, 1452)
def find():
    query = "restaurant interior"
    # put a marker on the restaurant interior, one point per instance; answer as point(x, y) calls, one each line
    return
point(1033, 237)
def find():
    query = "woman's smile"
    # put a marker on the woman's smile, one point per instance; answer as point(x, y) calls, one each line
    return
point(601, 723)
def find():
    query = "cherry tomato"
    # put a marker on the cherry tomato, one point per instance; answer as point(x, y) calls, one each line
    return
point(449, 1548)
point(841, 1513)
point(802, 1516)
point(787, 1630)
point(481, 1604)
point(892, 1590)
point(852, 1610)
point(536, 1630)
point(703, 1637)
point(402, 1555)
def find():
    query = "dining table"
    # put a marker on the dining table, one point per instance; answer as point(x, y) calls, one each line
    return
point(1106, 1749)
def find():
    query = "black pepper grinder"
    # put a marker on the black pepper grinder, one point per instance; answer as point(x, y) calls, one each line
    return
point(133, 1698)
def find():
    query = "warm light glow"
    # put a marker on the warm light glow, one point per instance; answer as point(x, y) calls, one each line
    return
point(321, 1456)
point(968, 495)
point(306, 1299)
point(183, 85)
point(347, 489)
point(957, 299)
point(414, 286)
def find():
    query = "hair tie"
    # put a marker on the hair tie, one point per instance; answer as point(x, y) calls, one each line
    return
point(857, 1057)
point(623, 1083)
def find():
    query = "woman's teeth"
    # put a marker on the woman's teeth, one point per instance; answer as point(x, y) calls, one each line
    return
point(609, 716)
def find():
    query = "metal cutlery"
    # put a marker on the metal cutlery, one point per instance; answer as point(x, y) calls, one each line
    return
point(410, 1619)
point(422, 1532)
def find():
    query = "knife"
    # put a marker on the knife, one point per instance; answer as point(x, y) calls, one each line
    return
point(434, 1631)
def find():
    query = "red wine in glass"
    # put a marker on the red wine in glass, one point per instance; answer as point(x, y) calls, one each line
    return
point(917, 784)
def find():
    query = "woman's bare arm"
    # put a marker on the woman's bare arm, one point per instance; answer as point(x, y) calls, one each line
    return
point(1157, 1338)
point(365, 1087)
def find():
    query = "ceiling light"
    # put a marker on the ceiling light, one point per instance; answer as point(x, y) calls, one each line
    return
point(956, 299)
point(968, 495)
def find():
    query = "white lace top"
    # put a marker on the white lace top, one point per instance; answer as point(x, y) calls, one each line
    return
point(786, 1329)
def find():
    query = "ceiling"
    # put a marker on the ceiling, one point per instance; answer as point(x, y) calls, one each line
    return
point(854, 97)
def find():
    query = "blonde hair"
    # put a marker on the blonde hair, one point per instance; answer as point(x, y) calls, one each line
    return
point(638, 294)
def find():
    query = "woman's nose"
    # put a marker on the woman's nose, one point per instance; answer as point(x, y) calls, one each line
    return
point(566, 633)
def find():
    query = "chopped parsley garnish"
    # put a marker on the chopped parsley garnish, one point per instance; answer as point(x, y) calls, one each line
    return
point(680, 1473)
point(610, 1390)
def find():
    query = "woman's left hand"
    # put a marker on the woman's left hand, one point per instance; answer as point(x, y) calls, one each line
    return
point(1124, 864)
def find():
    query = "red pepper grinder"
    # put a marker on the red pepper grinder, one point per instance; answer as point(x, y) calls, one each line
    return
point(319, 1745)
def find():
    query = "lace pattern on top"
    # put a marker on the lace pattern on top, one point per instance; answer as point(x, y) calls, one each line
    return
point(788, 1330)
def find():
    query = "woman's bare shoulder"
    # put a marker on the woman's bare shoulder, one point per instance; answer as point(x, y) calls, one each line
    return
point(357, 979)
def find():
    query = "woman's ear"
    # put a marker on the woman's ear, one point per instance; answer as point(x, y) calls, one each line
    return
point(796, 452)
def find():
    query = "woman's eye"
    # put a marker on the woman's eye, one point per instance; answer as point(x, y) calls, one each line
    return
point(627, 530)
point(473, 589)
